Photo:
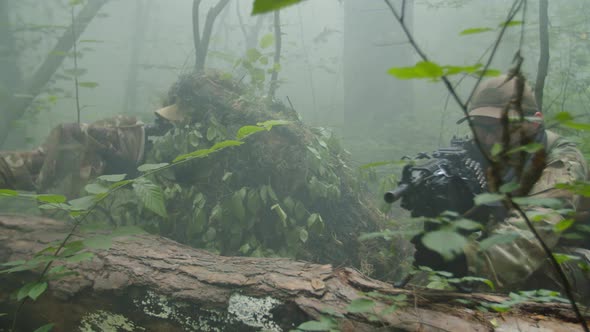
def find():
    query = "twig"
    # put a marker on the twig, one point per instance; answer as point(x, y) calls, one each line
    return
point(75, 64)
point(277, 56)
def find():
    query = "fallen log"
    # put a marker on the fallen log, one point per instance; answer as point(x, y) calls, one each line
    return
point(149, 283)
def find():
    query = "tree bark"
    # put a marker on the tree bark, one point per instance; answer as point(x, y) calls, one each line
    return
point(277, 56)
point(543, 67)
point(52, 62)
point(202, 42)
point(150, 283)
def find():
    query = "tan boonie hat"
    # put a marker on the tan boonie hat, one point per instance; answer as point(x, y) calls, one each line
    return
point(171, 113)
point(492, 96)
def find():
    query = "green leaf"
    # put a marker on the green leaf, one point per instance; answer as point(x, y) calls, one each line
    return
point(45, 328)
point(237, 206)
point(76, 72)
point(487, 198)
point(263, 6)
point(83, 256)
point(8, 192)
point(37, 290)
point(467, 224)
point(91, 41)
point(112, 177)
point(422, 69)
point(151, 196)
point(509, 187)
point(497, 239)
point(253, 55)
point(101, 242)
point(95, 188)
point(563, 225)
point(72, 248)
point(511, 23)
point(246, 131)
point(303, 236)
point(473, 31)
point(90, 85)
point(225, 144)
point(578, 187)
point(151, 167)
point(315, 325)
point(282, 215)
point(563, 117)
point(496, 149)
point(446, 243)
point(271, 123)
point(75, 2)
point(360, 305)
point(483, 280)
point(24, 291)
point(51, 198)
point(253, 202)
point(562, 258)
point(195, 154)
point(267, 40)
point(530, 148)
point(577, 125)
point(552, 203)
point(83, 203)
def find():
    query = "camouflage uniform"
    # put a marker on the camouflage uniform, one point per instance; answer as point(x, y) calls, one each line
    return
point(73, 154)
point(522, 263)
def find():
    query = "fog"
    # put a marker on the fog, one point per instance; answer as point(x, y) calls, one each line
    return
point(139, 48)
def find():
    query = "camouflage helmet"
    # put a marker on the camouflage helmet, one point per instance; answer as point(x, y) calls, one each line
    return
point(493, 96)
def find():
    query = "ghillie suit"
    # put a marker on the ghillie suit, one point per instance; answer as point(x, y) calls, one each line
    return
point(287, 192)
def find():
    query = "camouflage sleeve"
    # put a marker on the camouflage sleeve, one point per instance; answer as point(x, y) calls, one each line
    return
point(19, 170)
point(509, 263)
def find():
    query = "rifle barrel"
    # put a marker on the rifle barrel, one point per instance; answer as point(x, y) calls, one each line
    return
point(397, 193)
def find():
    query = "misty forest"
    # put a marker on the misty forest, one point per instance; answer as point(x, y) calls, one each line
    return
point(294, 165)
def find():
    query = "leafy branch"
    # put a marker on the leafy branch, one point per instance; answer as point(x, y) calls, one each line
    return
point(150, 195)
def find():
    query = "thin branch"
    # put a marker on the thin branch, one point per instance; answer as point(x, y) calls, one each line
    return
point(75, 65)
point(543, 66)
point(196, 30)
point(277, 57)
point(201, 53)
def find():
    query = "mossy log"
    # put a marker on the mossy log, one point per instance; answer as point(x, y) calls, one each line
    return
point(150, 283)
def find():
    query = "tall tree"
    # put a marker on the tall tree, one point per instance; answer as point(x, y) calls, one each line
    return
point(33, 85)
point(141, 19)
point(544, 58)
point(201, 42)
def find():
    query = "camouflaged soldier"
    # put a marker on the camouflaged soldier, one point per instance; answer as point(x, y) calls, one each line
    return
point(75, 153)
point(521, 264)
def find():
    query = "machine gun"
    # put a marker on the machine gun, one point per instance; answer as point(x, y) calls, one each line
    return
point(449, 180)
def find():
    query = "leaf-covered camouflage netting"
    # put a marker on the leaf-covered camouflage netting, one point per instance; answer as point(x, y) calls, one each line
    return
point(285, 192)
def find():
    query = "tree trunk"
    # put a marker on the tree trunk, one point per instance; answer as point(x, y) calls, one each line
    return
point(52, 62)
point(149, 283)
point(201, 42)
point(141, 19)
point(544, 58)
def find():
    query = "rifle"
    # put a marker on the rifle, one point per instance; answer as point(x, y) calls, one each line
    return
point(449, 180)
